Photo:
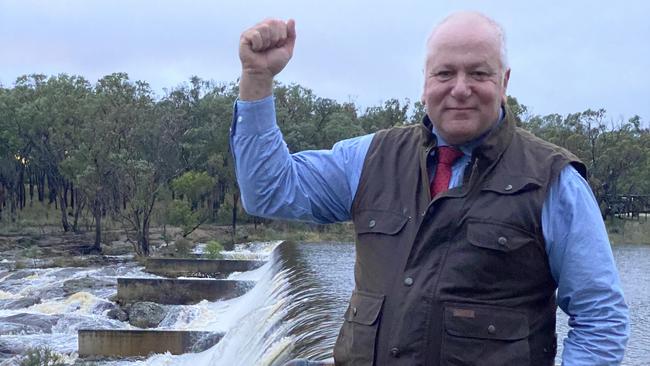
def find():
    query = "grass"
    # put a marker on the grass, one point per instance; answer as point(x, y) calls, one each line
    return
point(628, 231)
point(40, 218)
point(295, 232)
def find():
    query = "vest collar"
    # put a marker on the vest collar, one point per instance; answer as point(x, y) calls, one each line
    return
point(493, 144)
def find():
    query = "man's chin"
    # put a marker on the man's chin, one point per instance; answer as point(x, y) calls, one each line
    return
point(460, 133)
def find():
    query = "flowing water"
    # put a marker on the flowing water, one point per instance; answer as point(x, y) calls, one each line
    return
point(294, 310)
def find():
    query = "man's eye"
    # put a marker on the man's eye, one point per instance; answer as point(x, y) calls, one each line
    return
point(443, 75)
point(480, 75)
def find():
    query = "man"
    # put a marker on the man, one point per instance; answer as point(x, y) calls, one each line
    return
point(466, 225)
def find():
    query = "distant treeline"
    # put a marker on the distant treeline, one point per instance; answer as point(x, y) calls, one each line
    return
point(114, 149)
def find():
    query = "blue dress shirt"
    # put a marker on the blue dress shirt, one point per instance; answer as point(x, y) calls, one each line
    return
point(319, 186)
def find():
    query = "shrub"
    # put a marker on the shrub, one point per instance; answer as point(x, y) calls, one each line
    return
point(213, 249)
point(183, 247)
point(41, 356)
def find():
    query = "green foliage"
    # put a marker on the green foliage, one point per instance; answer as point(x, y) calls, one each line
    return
point(180, 214)
point(193, 186)
point(213, 249)
point(41, 356)
point(183, 247)
point(114, 152)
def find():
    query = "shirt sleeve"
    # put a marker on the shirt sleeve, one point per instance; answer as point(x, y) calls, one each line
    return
point(315, 185)
point(581, 261)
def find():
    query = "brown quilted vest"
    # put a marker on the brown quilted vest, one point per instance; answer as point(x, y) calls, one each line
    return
point(463, 279)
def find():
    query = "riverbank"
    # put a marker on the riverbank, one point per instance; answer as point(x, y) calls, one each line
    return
point(47, 246)
point(627, 231)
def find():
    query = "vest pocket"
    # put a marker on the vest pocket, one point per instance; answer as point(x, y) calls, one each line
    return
point(379, 221)
point(481, 335)
point(496, 236)
point(356, 342)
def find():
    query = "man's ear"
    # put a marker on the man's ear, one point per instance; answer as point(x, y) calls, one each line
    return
point(506, 78)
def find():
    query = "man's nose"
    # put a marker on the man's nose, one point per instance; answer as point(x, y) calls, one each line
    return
point(461, 88)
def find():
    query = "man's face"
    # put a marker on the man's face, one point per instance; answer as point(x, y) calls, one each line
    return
point(465, 82)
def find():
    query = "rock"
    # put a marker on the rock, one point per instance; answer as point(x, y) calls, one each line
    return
point(206, 342)
point(24, 302)
point(5, 349)
point(71, 323)
point(113, 298)
point(51, 291)
point(25, 323)
point(64, 273)
point(19, 275)
point(146, 314)
point(86, 284)
point(118, 314)
point(101, 307)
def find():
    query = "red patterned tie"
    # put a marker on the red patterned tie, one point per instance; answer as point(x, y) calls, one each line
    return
point(447, 155)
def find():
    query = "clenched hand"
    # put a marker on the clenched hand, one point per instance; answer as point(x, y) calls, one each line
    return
point(264, 50)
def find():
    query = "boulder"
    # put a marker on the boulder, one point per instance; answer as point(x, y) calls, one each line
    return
point(118, 314)
point(87, 283)
point(25, 323)
point(146, 314)
point(64, 273)
point(23, 302)
point(206, 342)
point(20, 274)
point(102, 307)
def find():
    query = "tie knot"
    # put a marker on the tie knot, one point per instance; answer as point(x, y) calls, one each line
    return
point(448, 154)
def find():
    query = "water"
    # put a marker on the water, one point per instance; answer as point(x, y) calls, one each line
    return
point(294, 310)
point(323, 277)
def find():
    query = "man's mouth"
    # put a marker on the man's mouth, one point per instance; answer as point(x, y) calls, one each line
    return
point(461, 108)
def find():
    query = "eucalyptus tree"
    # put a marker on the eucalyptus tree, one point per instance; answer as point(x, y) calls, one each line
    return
point(391, 113)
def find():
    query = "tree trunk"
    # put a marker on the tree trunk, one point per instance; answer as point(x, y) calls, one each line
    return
point(13, 206)
point(31, 189)
point(21, 188)
point(143, 238)
point(77, 213)
point(235, 199)
point(64, 212)
point(40, 187)
point(65, 194)
point(97, 213)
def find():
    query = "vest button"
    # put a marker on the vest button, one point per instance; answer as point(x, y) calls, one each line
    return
point(408, 281)
point(394, 352)
point(508, 187)
point(492, 329)
point(371, 224)
point(502, 240)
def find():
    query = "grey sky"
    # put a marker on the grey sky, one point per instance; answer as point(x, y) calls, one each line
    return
point(566, 56)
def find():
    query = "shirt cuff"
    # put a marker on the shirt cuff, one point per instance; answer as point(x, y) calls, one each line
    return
point(254, 117)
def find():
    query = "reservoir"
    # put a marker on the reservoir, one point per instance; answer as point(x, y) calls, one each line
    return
point(294, 310)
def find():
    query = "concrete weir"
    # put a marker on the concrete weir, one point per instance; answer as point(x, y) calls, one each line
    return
point(217, 268)
point(179, 291)
point(125, 343)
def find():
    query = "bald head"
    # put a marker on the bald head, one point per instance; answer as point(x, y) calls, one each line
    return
point(472, 27)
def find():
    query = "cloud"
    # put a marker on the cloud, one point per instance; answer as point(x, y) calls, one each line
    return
point(566, 57)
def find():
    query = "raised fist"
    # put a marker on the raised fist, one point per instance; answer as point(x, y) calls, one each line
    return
point(266, 48)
